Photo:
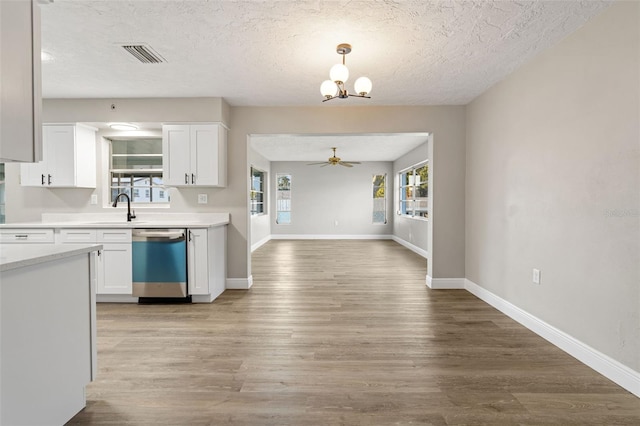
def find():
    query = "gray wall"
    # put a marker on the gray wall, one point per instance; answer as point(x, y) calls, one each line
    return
point(323, 195)
point(553, 182)
point(448, 148)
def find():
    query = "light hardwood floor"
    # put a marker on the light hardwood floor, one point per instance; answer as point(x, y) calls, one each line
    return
point(338, 333)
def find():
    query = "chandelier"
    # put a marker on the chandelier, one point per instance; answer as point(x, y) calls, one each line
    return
point(339, 74)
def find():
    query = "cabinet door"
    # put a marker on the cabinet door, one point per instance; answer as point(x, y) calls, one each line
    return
point(205, 146)
point(21, 104)
point(114, 269)
point(33, 174)
point(60, 155)
point(198, 266)
point(176, 161)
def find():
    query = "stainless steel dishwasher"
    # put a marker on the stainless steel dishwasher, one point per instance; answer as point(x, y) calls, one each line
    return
point(159, 264)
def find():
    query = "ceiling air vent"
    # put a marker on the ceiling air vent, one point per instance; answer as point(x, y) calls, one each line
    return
point(143, 53)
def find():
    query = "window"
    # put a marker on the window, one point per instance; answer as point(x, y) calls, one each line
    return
point(283, 199)
point(414, 191)
point(379, 199)
point(257, 191)
point(136, 170)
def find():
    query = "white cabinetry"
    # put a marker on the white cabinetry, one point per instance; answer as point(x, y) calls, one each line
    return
point(194, 154)
point(113, 263)
point(20, 92)
point(31, 235)
point(197, 261)
point(206, 258)
point(69, 159)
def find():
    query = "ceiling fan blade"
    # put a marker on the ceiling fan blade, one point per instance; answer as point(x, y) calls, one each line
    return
point(342, 163)
point(325, 164)
point(351, 162)
point(315, 164)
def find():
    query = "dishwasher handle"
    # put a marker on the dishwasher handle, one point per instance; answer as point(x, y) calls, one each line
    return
point(158, 234)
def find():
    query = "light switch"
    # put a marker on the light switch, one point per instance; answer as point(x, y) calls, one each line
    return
point(202, 199)
point(94, 199)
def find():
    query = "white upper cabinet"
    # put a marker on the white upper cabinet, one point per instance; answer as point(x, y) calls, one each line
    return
point(69, 159)
point(194, 155)
point(20, 91)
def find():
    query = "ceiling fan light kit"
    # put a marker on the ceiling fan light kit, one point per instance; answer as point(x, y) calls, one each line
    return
point(339, 74)
point(334, 161)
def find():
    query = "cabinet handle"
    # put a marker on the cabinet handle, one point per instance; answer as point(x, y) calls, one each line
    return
point(186, 178)
point(99, 251)
point(42, 179)
point(189, 235)
point(21, 236)
point(193, 178)
point(49, 179)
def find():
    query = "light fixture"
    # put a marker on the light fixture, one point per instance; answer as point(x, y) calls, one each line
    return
point(123, 126)
point(339, 74)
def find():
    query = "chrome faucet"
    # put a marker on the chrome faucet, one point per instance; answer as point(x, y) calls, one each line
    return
point(130, 214)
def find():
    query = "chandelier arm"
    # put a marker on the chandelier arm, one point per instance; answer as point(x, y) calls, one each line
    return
point(360, 96)
point(328, 99)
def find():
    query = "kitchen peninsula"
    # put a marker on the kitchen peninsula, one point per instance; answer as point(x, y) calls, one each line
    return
point(47, 339)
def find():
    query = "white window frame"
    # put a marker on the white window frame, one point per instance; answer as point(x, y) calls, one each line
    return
point(283, 202)
point(412, 185)
point(374, 189)
point(263, 186)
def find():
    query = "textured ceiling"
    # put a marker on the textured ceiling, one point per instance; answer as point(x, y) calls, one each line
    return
point(267, 53)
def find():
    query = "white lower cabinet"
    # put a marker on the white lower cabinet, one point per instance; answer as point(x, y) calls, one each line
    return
point(113, 262)
point(114, 269)
point(197, 262)
point(206, 262)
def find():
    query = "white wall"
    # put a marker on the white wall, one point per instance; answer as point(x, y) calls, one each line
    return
point(413, 231)
point(553, 182)
point(260, 224)
point(331, 200)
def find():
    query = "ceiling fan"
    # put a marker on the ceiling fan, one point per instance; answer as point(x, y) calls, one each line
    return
point(333, 161)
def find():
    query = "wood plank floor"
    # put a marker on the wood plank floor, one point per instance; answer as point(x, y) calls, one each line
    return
point(338, 333)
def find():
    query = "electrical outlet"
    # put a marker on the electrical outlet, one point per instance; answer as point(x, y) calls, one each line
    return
point(536, 276)
point(202, 199)
point(94, 199)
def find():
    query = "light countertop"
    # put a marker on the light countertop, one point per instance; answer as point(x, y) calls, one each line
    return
point(148, 220)
point(15, 256)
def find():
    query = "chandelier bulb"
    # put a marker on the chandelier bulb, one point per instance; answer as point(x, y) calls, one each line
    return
point(363, 86)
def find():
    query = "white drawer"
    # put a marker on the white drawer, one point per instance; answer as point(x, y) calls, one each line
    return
point(68, 236)
point(114, 235)
point(26, 236)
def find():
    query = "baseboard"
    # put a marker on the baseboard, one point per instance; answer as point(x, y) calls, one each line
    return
point(260, 243)
point(239, 283)
point(445, 283)
point(330, 237)
point(413, 248)
point(603, 364)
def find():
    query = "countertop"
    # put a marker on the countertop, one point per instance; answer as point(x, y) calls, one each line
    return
point(15, 256)
point(148, 220)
